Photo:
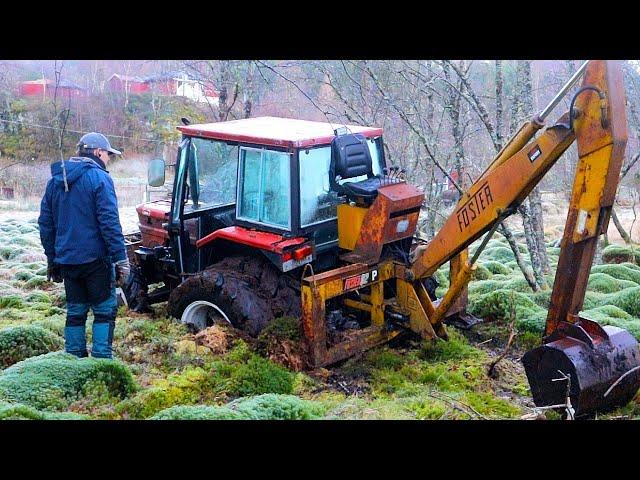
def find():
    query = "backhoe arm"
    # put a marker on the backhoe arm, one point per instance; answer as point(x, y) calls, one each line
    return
point(492, 197)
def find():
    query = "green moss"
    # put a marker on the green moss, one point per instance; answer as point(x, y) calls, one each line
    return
point(278, 330)
point(263, 407)
point(384, 357)
point(24, 275)
point(18, 411)
point(628, 300)
point(481, 272)
point(610, 311)
point(619, 254)
point(277, 407)
point(54, 380)
point(498, 254)
point(483, 287)
point(455, 348)
point(428, 408)
point(187, 387)
point(260, 376)
point(11, 301)
point(497, 267)
point(355, 408)
point(605, 283)
point(38, 297)
point(24, 341)
point(620, 271)
point(498, 304)
point(197, 412)
point(490, 406)
point(35, 281)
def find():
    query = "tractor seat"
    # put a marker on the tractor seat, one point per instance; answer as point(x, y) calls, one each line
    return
point(350, 158)
point(364, 188)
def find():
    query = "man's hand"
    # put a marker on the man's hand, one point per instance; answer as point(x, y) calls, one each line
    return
point(54, 274)
point(123, 269)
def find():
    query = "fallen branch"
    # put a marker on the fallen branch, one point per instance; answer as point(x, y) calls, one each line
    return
point(454, 403)
point(620, 379)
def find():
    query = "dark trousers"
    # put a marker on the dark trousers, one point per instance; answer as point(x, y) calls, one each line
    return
point(90, 286)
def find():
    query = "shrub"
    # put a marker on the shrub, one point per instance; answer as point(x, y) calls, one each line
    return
point(24, 341)
point(55, 380)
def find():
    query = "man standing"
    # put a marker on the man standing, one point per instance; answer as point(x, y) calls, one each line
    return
point(82, 239)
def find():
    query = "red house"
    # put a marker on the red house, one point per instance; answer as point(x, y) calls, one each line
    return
point(122, 83)
point(46, 88)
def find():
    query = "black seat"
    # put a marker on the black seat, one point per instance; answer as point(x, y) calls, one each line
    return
point(350, 158)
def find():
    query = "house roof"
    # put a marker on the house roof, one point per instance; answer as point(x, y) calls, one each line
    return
point(275, 131)
point(46, 81)
point(127, 78)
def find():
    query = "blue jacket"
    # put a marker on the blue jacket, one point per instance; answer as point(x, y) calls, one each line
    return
point(81, 225)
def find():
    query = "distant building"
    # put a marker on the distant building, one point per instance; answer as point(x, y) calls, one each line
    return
point(126, 83)
point(182, 84)
point(46, 88)
point(178, 84)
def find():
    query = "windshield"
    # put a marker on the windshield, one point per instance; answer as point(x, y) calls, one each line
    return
point(212, 173)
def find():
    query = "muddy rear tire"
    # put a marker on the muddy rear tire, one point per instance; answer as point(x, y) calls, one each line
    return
point(249, 291)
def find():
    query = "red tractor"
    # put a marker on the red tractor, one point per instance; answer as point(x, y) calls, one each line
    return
point(253, 202)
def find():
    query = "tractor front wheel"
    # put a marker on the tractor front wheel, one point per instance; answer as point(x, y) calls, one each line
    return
point(247, 292)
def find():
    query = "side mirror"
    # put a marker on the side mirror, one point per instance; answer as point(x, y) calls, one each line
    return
point(155, 173)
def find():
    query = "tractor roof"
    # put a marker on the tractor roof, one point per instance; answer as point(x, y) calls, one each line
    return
point(274, 131)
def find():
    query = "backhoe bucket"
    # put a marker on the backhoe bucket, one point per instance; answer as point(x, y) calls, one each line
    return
point(601, 363)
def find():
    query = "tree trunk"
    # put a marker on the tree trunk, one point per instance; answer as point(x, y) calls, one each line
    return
point(499, 86)
point(535, 204)
point(528, 274)
point(616, 221)
point(532, 245)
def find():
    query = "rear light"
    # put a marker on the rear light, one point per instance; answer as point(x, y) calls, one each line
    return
point(303, 252)
point(286, 256)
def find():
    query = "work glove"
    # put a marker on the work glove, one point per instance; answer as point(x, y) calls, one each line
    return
point(54, 273)
point(123, 269)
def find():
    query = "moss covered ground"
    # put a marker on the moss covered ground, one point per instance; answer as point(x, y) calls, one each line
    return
point(162, 371)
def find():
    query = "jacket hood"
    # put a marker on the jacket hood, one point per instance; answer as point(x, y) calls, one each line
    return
point(75, 167)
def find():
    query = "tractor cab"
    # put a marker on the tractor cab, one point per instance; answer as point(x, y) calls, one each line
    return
point(266, 184)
